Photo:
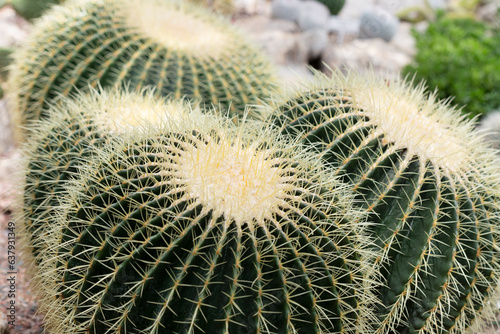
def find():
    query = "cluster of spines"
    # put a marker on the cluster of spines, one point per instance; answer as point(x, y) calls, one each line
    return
point(436, 227)
point(69, 51)
point(134, 251)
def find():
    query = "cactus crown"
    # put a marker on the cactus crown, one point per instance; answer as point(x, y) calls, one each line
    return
point(408, 117)
point(180, 26)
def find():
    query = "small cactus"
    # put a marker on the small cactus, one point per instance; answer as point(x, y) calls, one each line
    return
point(196, 228)
point(58, 146)
point(335, 6)
point(430, 186)
point(177, 48)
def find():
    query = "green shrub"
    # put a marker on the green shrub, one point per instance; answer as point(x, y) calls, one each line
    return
point(460, 58)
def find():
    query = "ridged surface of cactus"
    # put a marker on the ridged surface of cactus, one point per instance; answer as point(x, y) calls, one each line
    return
point(60, 145)
point(207, 229)
point(430, 186)
point(177, 48)
point(335, 6)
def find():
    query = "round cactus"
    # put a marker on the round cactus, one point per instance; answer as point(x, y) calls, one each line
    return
point(335, 6)
point(177, 48)
point(429, 185)
point(58, 146)
point(206, 229)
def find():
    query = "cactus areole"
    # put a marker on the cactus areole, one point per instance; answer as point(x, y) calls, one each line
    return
point(429, 185)
point(206, 231)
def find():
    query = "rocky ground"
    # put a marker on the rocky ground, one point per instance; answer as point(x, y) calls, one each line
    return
point(290, 45)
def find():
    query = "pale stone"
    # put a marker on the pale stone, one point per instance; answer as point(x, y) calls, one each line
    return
point(313, 15)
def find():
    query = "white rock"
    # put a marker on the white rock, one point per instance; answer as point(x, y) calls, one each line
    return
point(343, 27)
point(286, 9)
point(404, 39)
point(260, 24)
point(280, 39)
point(489, 128)
point(313, 15)
point(283, 47)
point(252, 7)
point(377, 22)
point(385, 58)
point(13, 28)
point(316, 41)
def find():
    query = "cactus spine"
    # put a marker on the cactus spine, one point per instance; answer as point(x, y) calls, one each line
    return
point(206, 229)
point(177, 48)
point(429, 185)
point(60, 145)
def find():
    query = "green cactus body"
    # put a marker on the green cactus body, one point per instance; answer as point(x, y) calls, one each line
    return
point(5, 61)
point(430, 188)
point(31, 9)
point(335, 6)
point(60, 145)
point(179, 49)
point(207, 230)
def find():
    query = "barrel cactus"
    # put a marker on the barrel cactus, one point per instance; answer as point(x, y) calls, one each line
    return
point(429, 184)
point(61, 144)
point(179, 49)
point(335, 6)
point(196, 228)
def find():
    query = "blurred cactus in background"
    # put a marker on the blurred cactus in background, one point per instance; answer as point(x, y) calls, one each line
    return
point(178, 49)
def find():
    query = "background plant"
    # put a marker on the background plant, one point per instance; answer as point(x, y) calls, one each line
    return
point(459, 57)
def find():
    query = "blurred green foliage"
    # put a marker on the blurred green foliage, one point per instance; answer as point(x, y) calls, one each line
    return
point(461, 58)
